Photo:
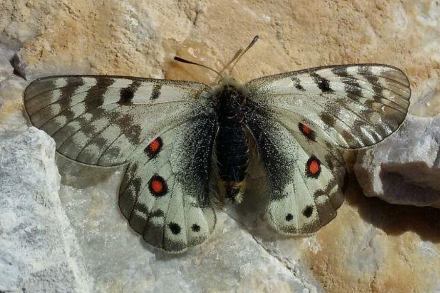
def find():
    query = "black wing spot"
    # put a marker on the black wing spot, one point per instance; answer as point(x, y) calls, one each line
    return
point(322, 83)
point(142, 208)
point(126, 95)
point(195, 228)
point(308, 211)
point(95, 95)
point(156, 91)
point(175, 228)
point(157, 214)
point(289, 217)
point(297, 83)
point(324, 86)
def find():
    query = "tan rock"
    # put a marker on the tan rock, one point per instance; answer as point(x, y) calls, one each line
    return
point(370, 247)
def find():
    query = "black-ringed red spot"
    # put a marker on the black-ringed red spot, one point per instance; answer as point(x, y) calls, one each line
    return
point(157, 186)
point(313, 167)
point(307, 131)
point(154, 147)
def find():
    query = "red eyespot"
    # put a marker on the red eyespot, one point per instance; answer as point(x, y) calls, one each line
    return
point(157, 186)
point(154, 147)
point(313, 167)
point(306, 131)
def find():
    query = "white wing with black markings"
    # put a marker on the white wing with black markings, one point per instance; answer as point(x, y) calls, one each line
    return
point(164, 132)
point(300, 118)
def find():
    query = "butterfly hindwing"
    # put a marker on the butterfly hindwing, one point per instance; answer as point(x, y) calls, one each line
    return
point(100, 120)
point(350, 106)
point(304, 192)
point(164, 194)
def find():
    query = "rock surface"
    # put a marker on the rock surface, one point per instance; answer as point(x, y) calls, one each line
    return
point(39, 251)
point(404, 169)
point(118, 260)
point(371, 246)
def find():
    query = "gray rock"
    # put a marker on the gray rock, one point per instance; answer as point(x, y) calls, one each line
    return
point(39, 252)
point(94, 250)
point(11, 90)
point(405, 168)
point(76, 240)
point(6, 68)
point(399, 250)
point(117, 258)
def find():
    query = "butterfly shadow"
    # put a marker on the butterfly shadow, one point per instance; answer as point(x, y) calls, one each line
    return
point(81, 176)
point(391, 218)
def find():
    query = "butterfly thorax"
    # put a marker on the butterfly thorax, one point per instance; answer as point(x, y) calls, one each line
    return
point(231, 143)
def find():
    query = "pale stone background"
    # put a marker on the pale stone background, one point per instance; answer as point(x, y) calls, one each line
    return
point(76, 240)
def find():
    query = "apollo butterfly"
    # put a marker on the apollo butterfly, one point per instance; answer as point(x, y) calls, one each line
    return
point(167, 132)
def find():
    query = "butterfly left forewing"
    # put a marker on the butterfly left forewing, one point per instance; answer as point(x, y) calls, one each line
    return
point(163, 130)
point(101, 120)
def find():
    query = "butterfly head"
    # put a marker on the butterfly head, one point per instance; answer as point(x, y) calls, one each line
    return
point(229, 97)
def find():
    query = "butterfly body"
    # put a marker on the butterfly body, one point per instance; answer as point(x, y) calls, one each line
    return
point(170, 135)
point(232, 149)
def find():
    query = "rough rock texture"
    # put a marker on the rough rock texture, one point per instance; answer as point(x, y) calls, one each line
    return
point(371, 246)
point(230, 261)
point(39, 251)
point(11, 87)
point(404, 169)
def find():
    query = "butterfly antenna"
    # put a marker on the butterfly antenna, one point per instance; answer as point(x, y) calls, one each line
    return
point(180, 59)
point(240, 53)
point(232, 60)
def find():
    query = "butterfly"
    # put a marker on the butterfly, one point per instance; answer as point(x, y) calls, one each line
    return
point(174, 137)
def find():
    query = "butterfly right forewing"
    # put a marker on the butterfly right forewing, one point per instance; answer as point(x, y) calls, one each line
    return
point(350, 106)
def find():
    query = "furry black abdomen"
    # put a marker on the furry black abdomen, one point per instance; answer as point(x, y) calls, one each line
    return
point(231, 143)
point(232, 152)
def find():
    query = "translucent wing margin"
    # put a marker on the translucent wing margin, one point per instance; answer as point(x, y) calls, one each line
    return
point(101, 120)
point(351, 106)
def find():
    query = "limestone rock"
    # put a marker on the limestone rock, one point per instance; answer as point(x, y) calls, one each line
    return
point(11, 90)
point(370, 246)
point(405, 168)
point(117, 258)
point(38, 246)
